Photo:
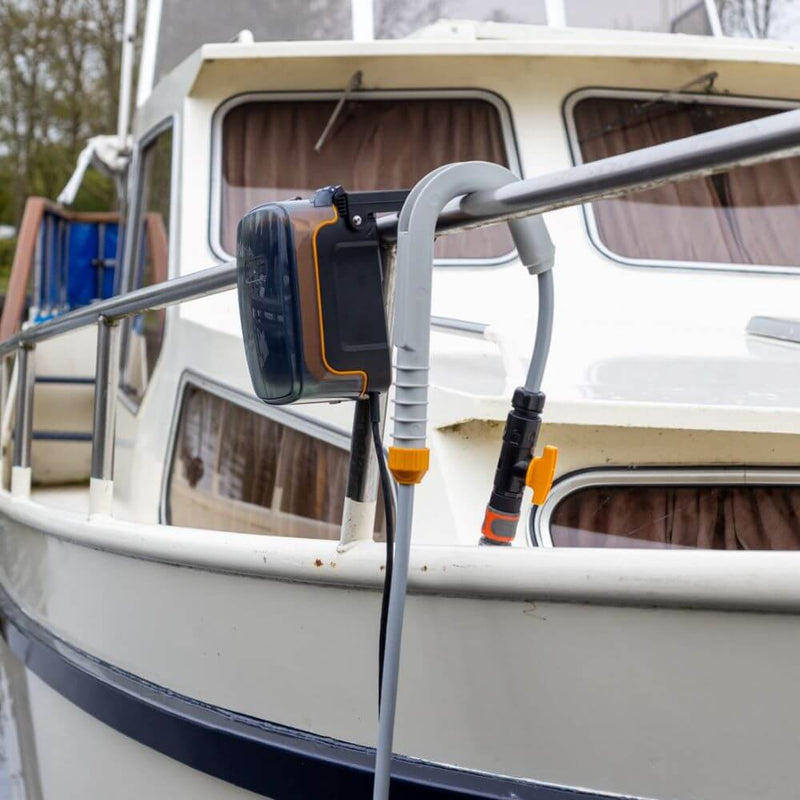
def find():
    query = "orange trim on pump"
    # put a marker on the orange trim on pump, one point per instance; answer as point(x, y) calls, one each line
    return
point(409, 465)
point(364, 379)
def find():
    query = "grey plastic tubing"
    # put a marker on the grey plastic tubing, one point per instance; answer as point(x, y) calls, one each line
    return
point(414, 266)
point(391, 658)
point(417, 224)
point(544, 332)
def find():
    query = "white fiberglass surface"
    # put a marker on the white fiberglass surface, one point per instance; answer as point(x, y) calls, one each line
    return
point(211, 634)
point(79, 756)
point(72, 498)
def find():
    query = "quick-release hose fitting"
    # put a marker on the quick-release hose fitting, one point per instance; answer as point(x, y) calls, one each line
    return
point(519, 441)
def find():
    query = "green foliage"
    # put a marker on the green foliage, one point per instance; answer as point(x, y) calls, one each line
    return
point(7, 247)
point(7, 204)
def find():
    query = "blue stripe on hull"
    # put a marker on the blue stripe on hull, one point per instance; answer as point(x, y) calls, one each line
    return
point(266, 758)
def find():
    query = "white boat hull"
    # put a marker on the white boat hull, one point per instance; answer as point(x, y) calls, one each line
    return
point(664, 701)
point(78, 756)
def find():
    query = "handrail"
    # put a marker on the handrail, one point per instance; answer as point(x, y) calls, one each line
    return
point(149, 298)
point(745, 144)
point(8, 391)
point(106, 314)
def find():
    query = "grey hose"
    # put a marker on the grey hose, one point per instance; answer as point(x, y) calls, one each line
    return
point(544, 332)
point(405, 510)
point(391, 668)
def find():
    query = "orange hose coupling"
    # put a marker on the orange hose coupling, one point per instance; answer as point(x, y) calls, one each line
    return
point(409, 465)
point(499, 528)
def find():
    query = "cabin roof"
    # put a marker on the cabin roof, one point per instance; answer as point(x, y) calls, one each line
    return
point(606, 380)
point(464, 38)
point(459, 38)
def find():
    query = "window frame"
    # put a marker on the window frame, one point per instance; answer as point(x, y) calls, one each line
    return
point(323, 431)
point(590, 222)
point(133, 244)
point(538, 527)
point(500, 104)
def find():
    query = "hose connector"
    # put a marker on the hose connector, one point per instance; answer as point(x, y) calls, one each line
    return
point(409, 465)
point(519, 441)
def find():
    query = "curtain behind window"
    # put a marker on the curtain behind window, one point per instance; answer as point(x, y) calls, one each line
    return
point(268, 154)
point(745, 216)
point(707, 517)
point(236, 470)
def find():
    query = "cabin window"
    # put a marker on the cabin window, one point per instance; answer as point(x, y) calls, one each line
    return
point(235, 469)
point(374, 144)
point(145, 332)
point(747, 217)
point(664, 16)
point(714, 516)
point(185, 25)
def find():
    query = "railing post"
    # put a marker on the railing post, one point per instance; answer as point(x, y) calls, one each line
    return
point(101, 483)
point(8, 374)
point(21, 465)
point(5, 383)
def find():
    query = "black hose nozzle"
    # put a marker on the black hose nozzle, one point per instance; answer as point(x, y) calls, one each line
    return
point(519, 441)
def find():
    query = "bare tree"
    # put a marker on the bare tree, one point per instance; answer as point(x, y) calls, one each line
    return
point(59, 67)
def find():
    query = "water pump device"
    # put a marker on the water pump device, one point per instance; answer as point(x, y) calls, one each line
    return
point(311, 297)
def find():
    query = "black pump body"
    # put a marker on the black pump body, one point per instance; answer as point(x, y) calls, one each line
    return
point(311, 298)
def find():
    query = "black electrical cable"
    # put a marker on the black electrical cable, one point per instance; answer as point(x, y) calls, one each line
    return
point(388, 504)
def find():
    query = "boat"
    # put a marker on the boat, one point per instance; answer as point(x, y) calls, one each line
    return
point(193, 580)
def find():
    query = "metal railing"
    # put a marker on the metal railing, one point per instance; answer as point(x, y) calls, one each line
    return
point(106, 315)
point(752, 142)
point(765, 139)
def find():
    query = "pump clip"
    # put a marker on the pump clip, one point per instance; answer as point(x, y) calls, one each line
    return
point(359, 207)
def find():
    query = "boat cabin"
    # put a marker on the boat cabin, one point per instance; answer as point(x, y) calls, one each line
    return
point(654, 290)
